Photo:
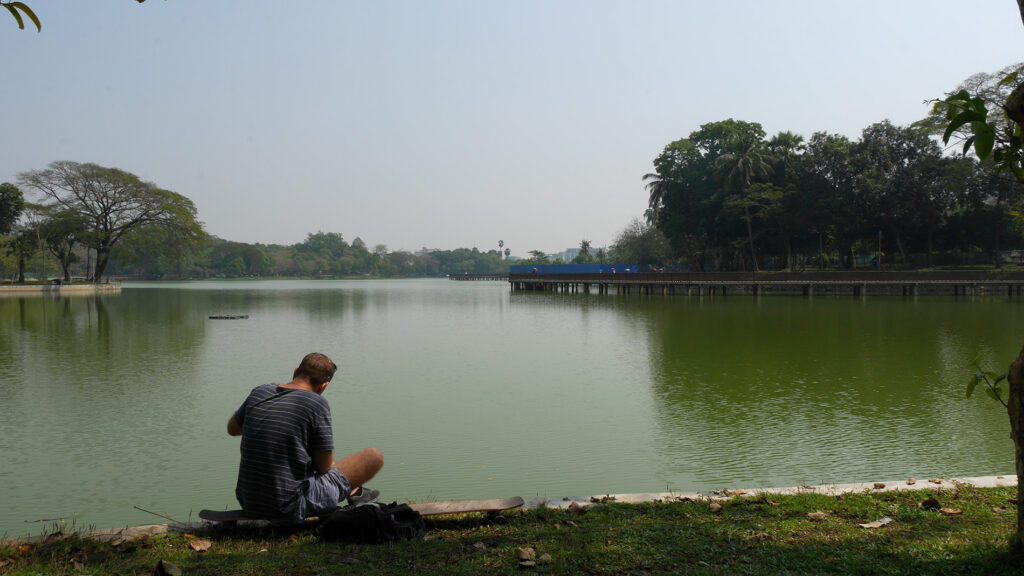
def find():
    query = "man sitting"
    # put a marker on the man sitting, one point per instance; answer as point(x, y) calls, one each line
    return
point(288, 471)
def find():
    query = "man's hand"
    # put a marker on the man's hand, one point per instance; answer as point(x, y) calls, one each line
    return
point(233, 428)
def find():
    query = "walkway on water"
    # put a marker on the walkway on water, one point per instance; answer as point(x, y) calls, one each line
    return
point(956, 283)
point(133, 532)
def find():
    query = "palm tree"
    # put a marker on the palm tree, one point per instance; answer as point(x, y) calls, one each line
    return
point(501, 244)
point(657, 188)
point(744, 164)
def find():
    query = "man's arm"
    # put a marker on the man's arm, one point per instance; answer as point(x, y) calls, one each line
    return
point(323, 460)
point(233, 428)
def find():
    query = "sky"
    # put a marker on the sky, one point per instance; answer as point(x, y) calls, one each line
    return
point(457, 123)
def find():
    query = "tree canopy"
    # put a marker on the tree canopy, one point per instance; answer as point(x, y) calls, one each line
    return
point(114, 203)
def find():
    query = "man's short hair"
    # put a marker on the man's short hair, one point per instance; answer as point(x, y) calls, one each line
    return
point(317, 368)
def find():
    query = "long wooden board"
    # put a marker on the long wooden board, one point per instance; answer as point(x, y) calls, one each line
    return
point(424, 508)
point(466, 506)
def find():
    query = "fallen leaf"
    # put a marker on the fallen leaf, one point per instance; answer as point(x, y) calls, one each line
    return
point(817, 515)
point(877, 523)
point(571, 523)
point(735, 492)
point(951, 511)
point(929, 504)
point(200, 545)
point(911, 481)
point(879, 485)
point(935, 480)
point(480, 546)
point(544, 559)
point(998, 509)
point(24, 549)
point(166, 569)
point(575, 508)
point(527, 563)
point(526, 554)
point(715, 507)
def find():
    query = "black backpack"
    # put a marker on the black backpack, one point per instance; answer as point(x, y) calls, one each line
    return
point(373, 523)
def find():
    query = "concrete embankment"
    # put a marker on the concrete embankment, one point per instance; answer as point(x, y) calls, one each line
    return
point(132, 532)
point(58, 289)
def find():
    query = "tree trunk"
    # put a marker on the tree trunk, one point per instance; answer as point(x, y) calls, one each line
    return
point(750, 235)
point(1016, 409)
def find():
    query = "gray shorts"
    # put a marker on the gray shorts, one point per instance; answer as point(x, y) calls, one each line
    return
point(321, 493)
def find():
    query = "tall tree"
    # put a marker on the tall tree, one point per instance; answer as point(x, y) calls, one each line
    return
point(113, 201)
point(745, 163)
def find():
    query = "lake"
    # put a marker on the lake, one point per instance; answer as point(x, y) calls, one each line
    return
point(474, 392)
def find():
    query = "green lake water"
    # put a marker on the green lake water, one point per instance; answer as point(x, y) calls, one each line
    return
point(474, 392)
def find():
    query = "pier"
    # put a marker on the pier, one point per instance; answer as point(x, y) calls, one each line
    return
point(864, 283)
point(479, 277)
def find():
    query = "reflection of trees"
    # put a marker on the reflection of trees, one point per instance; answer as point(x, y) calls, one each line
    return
point(785, 391)
point(100, 340)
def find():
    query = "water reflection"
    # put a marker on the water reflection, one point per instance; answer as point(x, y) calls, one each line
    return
point(788, 391)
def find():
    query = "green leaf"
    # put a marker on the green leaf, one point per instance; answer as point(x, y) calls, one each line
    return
point(971, 385)
point(984, 141)
point(993, 394)
point(999, 379)
point(967, 145)
point(1008, 78)
point(961, 119)
point(28, 12)
point(10, 8)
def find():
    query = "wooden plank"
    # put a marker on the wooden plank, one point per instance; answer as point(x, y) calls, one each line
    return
point(466, 506)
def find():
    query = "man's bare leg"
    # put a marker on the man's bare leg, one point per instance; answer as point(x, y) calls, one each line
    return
point(361, 467)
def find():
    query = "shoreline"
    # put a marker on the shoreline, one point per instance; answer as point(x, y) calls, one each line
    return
point(59, 289)
point(935, 484)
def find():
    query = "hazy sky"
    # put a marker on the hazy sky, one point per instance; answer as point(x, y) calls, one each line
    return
point(457, 123)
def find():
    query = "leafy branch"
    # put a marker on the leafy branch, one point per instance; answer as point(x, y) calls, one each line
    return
point(993, 382)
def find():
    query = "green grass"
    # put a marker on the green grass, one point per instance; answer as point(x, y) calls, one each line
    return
point(756, 535)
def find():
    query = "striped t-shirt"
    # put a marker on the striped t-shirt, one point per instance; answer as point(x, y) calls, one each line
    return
point(282, 429)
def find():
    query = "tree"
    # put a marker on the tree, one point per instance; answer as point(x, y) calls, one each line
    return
point(584, 256)
point(22, 246)
point(508, 251)
point(12, 204)
point(998, 137)
point(114, 203)
point(744, 164)
point(641, 244)
point(61, 231)
point(501, 244)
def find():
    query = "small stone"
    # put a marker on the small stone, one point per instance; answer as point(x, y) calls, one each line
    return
point(526, 554)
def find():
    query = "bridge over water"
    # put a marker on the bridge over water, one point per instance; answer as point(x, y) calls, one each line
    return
point(856, 283)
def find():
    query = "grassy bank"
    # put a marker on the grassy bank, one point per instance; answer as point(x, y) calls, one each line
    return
point(966, 531)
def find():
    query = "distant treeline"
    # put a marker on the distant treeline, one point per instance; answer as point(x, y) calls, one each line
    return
point(728, 197)
point(320, 255)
